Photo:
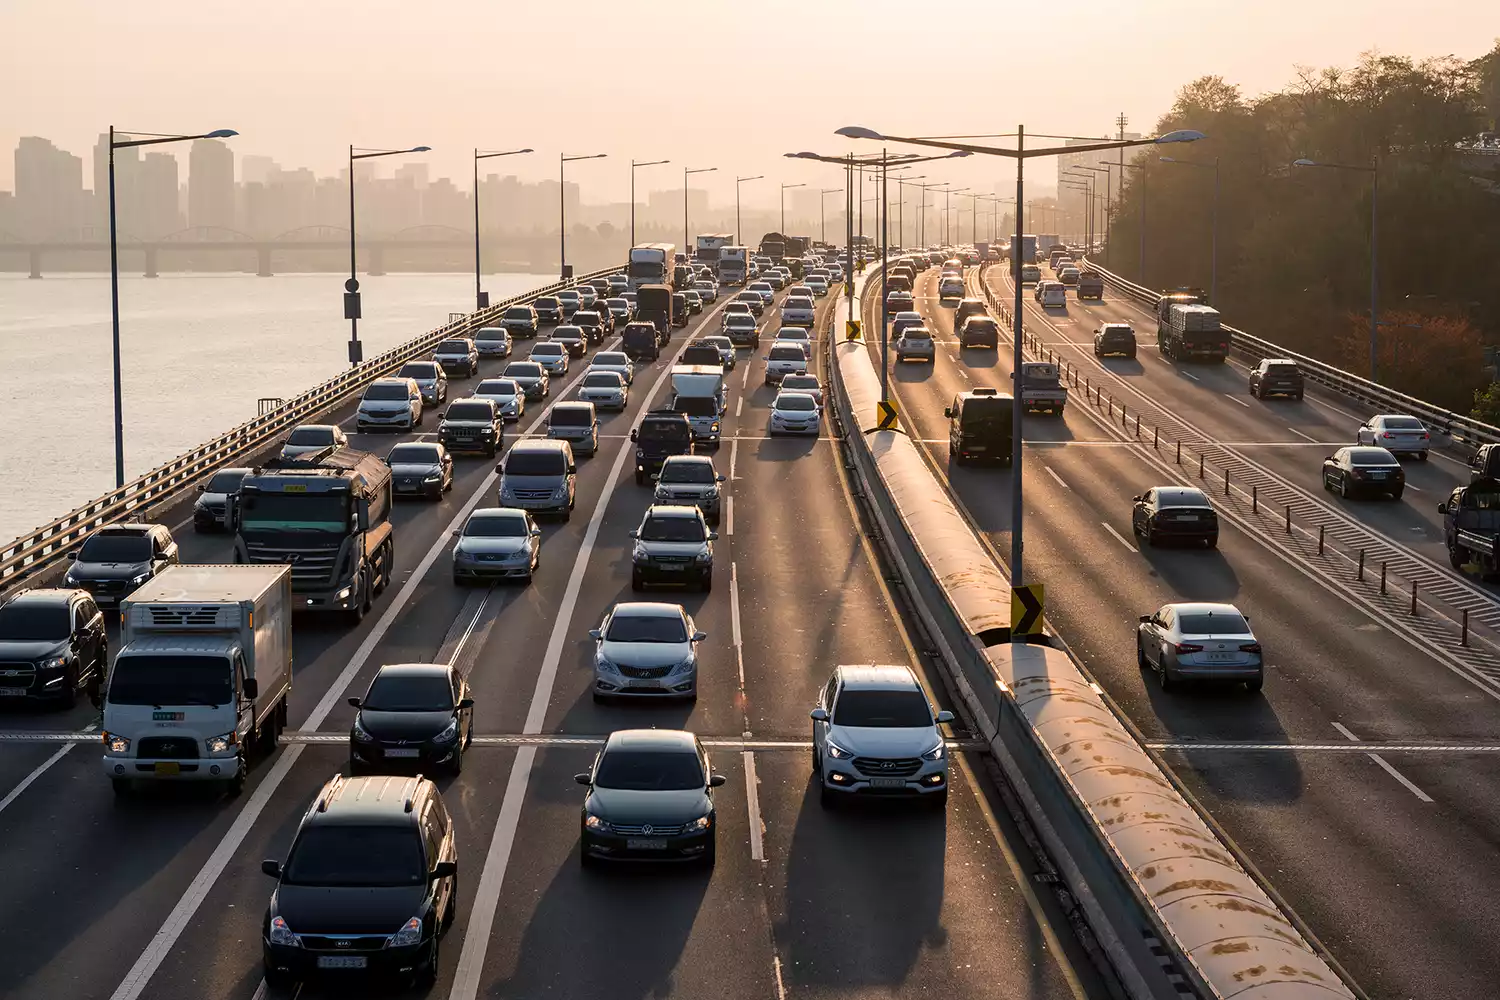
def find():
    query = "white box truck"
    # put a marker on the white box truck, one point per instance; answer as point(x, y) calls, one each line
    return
point(202, 676)
point(698, 394)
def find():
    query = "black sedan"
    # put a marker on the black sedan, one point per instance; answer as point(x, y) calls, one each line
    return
point(415, 716)
point(1175, 513)
point(650, 798)
point(420, 469)
point(1363, 470)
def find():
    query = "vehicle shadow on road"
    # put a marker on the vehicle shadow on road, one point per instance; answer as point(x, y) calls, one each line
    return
point(1191, 571)
point(1127, 367)
point(878, 869)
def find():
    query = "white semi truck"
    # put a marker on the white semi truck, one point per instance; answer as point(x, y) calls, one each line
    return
point(202, 677)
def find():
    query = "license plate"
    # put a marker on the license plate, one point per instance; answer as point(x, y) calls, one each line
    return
point(342, 961)
point(167, 767)
point(1221, 657)
point(671, 567)
point(978, 447)
point(1377, 475)
point(887, 783)
point(10, 692)
point(168, 716)
point(1187, 517)
point(293, 488)
point(639, 844)
point(403, 488)
point(403, 753)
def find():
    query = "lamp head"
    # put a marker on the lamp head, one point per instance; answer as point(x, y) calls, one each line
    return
point(221, 133)
point(1181, 135)
point(1304, 162)
point(420, 149)
point(858, 132)
point(526, 150)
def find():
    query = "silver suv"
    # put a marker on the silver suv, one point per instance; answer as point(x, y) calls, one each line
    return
point(874, 733)
point(691, 479)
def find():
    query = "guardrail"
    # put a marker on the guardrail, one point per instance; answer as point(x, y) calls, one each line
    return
point(1150, 873)
point(44, 548)
point(1458, 426)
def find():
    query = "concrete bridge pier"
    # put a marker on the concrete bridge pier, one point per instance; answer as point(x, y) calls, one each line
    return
point(35, 258)
point(151, 263)
point(376, 264)
point(263, 262)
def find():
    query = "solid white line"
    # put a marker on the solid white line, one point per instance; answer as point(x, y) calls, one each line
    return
point(1048, 469)
point(752, 800)
point(734, 620)
point(1385, 765)
point(728, 516)
point(1237, 399)
point(1118, 537)
point(745, 378)
point(40, 770)
point(1308, 437)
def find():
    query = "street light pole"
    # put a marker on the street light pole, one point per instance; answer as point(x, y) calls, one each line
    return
point(480, 299)
point(633, 166)
point(685, 173)
point(563, 159)
point(1213, 294)
point(739, 232)
point(1374, 171)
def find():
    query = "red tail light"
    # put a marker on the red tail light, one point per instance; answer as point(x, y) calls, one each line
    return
point(1250, 647)
point(1188, 647)
point(1387, 434)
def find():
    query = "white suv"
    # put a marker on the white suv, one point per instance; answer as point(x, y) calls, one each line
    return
point(785, 358)
point(390, 404)
point(874, 733)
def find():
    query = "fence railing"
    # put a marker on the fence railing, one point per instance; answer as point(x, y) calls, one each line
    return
point(42, 549)
point(1460, 427)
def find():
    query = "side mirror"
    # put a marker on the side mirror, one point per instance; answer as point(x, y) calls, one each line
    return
point(536, 532)
point(572, 468)
point(699, 636)
point(634, 533)
point(443, 869)
point(943, 717)
point(443, 415)
point(1145, 619)
point(499, 468)
point(632, 434)
point(271, 868)
point(595, 633)
point(1443, 507)
point(1138, 499)
point(466, 703)
point(202, 487)
point(356, 702)
point(719, 478)
point(583, 778)
point(716, 780)
point(713, 536)
point(818, 715)
point(72, 556)
point(453, 533)
point(250, 686)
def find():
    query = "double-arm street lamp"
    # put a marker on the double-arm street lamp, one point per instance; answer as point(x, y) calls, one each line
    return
point(481, 300)
point(685, 173)
point(823, 194)
point(1213, 284)
point(1020, 154)
point(739, 232)
point(633, 166)
point(351, 287)
point(784, 188)
point(149, 139)
point(1374, 171)
point(564, 159)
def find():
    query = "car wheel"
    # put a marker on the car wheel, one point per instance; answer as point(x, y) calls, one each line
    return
point(427, 975)
point(1421, 456)
point(587, 860)
point(456, 766)
point(1396, 495)
point(1343, 487)
point(637, 582)
point(1327, 483)
point(1298, 395)
point(1253, 687)
point(640, 478)
point(278, 979)
point(708, 855)
point(69, 697)
point(1167, 681)
point(706, 584)
point(938, 800)
point(235, 786)
point(1140, 655)
point(1211, 542)
point(121, 787)
point(826, 798)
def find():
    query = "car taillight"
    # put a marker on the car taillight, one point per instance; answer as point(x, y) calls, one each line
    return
point(1188, 647)
point(1250, 647)
point(1387, 434)
point(1425, 435)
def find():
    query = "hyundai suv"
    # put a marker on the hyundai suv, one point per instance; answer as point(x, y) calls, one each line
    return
point(52, 644)
point(369, 886)
point(458, 356)
point(673, 545)
point(691, 479)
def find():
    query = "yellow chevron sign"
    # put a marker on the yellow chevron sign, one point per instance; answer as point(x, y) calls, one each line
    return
point(886, 414)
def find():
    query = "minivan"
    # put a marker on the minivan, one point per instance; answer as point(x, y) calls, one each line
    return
point(979, 426)
point(539, 476)
point(640, 343)
point(576, 423)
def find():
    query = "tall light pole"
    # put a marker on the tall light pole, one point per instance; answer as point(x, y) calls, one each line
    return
point(351, 287)
point(739, 232)
point(1020, 154)
point(901, 182)
point(948, 193)
point(1213, 281)
point(151, 139)
point(784, 188)
point(564, 159)
point(685, 173)
point(481, 300)
point(823, 194)
point(922, 211)
point(633, 166)
point(1374, 171)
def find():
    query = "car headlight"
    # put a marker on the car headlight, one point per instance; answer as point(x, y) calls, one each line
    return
point(640, 454)
point(837, 752)
point(596, 824)
point(140, 578)
point(223, 743)
point(705, 555)
point(936, 753)
point(449, 734)
point(701, 823)
point(70, 579)
point(343, 595)
point(282, 935)
point(639, 553)
point(409, 934)
point(360, 732)
point(115, 743)
point(432, 477)
point(687, 664)
point(605, 663)
point(53, 663)
point(715, 427)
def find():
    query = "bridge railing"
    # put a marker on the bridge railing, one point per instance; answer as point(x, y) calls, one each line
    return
point(45, 548)
point(1460, 427)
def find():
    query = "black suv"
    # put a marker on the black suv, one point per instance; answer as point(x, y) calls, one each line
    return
point(52, 644)
point(521, 321)
point(1276, 377)
point(369, 886)
point(596, 323)
point(417, 715)
point(472, 424)
point(118, 558)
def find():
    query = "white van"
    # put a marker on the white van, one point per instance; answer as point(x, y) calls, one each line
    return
point(1054, 293)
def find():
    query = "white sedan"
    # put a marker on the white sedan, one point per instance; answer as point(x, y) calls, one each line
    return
point(797, 335)
point(804, 383)
point(311, 438)
point(1397, 433)
point(794, 413)
point(605, 389)
point(507, 393)
point(614, 361)
point(708, 291)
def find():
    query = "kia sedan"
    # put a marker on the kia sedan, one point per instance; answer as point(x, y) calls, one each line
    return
point(1199, 641)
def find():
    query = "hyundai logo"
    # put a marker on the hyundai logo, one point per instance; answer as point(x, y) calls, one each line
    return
point(887, 765)
point(291, 558)
point(648, 829)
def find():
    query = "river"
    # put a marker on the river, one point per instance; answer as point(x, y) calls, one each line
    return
point(197, 351)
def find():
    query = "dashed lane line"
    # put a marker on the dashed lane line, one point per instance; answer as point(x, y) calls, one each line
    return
point(1385, 765)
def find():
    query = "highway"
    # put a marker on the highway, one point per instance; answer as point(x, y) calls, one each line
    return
point(161, 895)
point(1387, 856)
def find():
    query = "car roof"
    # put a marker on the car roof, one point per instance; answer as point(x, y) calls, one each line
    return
point(539, 444)
point(652, 739)
point(473, 399)
point(879, 677)
point(789, 394)
point(414, 669)
point(391, 380)
point(1369, 450)
point(495, 513)
point(1181, 496)
point(129, 530)
point(1395, 416)
point(689, 460)
point(384, 799)
point(1277, 361)
point(48, 596)
point(673, 510)
point(647, 609)
point(577, 404)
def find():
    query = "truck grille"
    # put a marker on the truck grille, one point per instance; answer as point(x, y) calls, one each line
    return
point(168, 747)
point(348, 943)
point(532, 495)
point(308, 565)
point(887, 767)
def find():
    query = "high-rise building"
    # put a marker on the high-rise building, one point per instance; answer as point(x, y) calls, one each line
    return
point(49, 191)
point(258, 169)
point(211, 185)
point(127, 174)
point(414, 172)
point(156, 195)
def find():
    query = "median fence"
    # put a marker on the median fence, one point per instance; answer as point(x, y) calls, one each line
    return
point(29, 557)
point(1167, 901)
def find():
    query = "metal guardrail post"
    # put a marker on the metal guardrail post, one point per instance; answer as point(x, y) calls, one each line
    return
point(1360, 573)
point(1414, 597)
point(1288, 519)
point(1321, 530)
point(1254, 498)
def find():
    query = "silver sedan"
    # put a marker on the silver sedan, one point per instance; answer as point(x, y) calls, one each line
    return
point(1199, 641)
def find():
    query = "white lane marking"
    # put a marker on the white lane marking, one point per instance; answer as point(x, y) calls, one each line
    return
point(734, 621)
point(1189, 375)
point(1118, 537)
point(745, 378)
point(734, 453)
point(752, 797)
point(780, 986)
point(739, 406)
point(1308, 437)
point(728, 516)
point(40, 770)
point(1237, 399)
point(1384, 764)
point(1048, 469)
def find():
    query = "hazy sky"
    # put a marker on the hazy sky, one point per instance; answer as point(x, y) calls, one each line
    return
point(704, 83)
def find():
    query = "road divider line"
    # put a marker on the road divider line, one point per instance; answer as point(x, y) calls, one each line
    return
point(752, 805)
point(1385, 765)
point(728, 516)
point(734, 453)
point(734, 621)
point(1058, 479)
point(1117, 536)
point(739, 406)
point(36, 773)
point(1307, 437)
point(1232, 396)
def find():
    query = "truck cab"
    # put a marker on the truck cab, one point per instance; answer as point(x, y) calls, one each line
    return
point(698, 394)
point(1471, 527)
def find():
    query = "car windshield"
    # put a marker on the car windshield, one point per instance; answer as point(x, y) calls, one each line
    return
point(1217, 623)
point(522, 369)
point(571, 416)
point(795, 402)
point(567, 296)
point(589, 318)
point(917, 333)
point(617, 304)
point(534, 463)
point(1371, 456)
point(517, 312)
point(225, 482)
point(799, 382)
point(649, 770)
point(295, 512)
point(602, 380)
point(686, 472)
point(671, 529)
point(1281, 370)
point(340, 854)
point(547, 350)
point(497, 387)
point(568, 332)
point(1403, 424)
point(414, 454)
point(419, 370)
point(496, 526)
point(739, 321)
point(490, 335)
point(116, 548)
point(387, 390)
point(882, 709)
point(470, 411)
point(976, 323)
point(546, 301)
point(311, 435)
point(696, 406)
point(1186, 498)
point(611, 358)
point(429, 691)
point(22, 622)
point(646, 628)
point(171, 680)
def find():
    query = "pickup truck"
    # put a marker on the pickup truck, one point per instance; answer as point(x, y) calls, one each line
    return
point(1471, 526)
point(1041, 389)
